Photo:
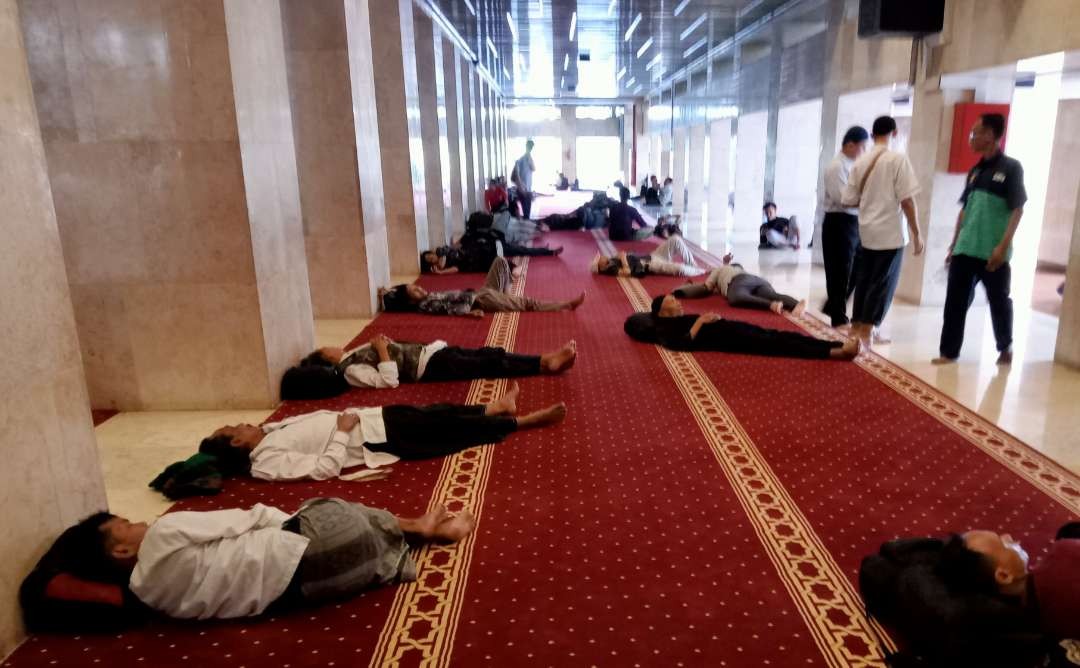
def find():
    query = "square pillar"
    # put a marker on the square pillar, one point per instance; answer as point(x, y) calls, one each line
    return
point(455, 138)
point(480, 133)
point(678, 170)
point(568, 135)
point(169, 140)
point(468, 114)
point(429, 69)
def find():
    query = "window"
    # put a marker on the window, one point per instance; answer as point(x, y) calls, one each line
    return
point(598, 162)
point(593, 113)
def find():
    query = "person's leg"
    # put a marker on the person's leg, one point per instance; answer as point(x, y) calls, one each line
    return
point(498, 276)
point(526, 204)
point(878, 274)
point(959, 293)
point(424, 432)
point(692, 291)
point(454, 363)
point(998, 284)
point(777, 239)
point(490, 301)
point(516, 250)
point(833, 242)
point(765, 290)
point(741, 292)
point(893, 263)
point(675, 250)
point(734, 336)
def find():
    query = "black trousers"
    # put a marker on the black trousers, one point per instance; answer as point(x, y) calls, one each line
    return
point(423, 432)
point(750, 291)
point(526, 200)
point(514, 250)
point(964, 272)
point(454, 363)
point(876, 274)
point(839, 242)
point(733, 336)
point(564, 221)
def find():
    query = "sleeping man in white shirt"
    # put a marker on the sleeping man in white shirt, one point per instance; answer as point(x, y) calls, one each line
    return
point(236, 563)
point(384, 363)
point(319, 445)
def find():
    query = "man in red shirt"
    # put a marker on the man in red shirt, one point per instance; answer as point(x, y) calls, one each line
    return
point(495, 197)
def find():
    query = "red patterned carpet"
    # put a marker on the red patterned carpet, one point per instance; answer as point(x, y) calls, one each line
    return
point(693, 510)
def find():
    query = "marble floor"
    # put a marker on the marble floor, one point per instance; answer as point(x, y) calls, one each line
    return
point(1034, 398)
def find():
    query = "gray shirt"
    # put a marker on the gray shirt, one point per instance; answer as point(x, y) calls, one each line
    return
point(524, 166)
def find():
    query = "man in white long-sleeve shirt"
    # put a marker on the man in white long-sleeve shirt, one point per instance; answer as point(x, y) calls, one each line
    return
point(319, 445)
point(236, 563)
point(840, 229)
point(383, 363)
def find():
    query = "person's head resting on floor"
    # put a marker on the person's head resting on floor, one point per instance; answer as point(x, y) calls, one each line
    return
point(232, 446)
point(108, 547)
point(666, 306)
point(984, 562)
point(429, 260)
point(854, 142)
point(401, 298)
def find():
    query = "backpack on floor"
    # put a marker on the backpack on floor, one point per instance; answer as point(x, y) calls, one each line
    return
point(936, 627)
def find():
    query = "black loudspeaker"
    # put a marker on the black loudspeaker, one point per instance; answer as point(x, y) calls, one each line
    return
point(900, 18)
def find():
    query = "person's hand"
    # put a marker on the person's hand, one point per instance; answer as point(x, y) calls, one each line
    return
point(347, 421)
point(476, 313)
point(728, 258)
point(332, 354)
point(948, 257)
point(380, 343)
point(917, 246)
point(708, 317)
point(997, 258)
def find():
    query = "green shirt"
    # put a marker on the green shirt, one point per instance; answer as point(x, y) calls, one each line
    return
point(995, 187)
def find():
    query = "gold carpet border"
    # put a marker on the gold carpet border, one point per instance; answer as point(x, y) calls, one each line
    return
point(1042, 472)
point(824, 597)
point(424, 616)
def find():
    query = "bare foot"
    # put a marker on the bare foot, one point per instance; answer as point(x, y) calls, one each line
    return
point(942, 361)
point(558, 251)
point(799, 309)
point(844, 328)
point(573, 304)
point(560, 360)
point(506, 404)
point(848, 351)
point(881, 339)
point(551, 415)
point(543, 227)
point(516, 272)
point(1005, 357)
point(427, 523)
point(777, 307)
point(453, 529)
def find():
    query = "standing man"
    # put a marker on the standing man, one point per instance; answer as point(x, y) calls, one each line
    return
point(523, 171)
point(882, 183)
point(840, 230)
point(993, 202)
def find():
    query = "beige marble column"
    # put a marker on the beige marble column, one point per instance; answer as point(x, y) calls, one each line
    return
point(695, 184)
point(468, 115)
point(568, 135)
point(316, 45)
point(1068, 340)
point(51, 473)
point(480, 132)
point(432, 126)
point(455, 138)
point(168, 135)
point(392, 50)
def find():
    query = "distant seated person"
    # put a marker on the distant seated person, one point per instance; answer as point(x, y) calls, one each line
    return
point(624, 221)
point(474, 252)
point(972, 599)
point(671, 258)
point(777, 232)
point(667, 325)
point(562, 183)
point(651, 193)
point(742, 289)
point(319, 445)
point(384, 363)
point(667, 193)
point(496, 197)
point(238, 563)
point(668, 226)
point(575, 186)
point(493, 297)
point(591, 215)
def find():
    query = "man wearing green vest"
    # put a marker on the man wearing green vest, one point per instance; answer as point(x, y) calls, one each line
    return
point(993, 202)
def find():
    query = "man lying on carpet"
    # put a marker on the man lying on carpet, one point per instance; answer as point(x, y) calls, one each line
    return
point(382, 363)
point(971, 599)
point(474, 253)
point(237, 563)
point(670, 327)
point(319, 445)
point(742, 289)
point(671, 258)
point(493, 297)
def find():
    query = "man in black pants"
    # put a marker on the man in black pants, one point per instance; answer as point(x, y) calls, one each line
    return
point(667, 325)
point(319, 445)
point(993, 203)
point(840, 230)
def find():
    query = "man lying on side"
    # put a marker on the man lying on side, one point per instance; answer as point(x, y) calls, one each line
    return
point(667, 325)
point(237, 563)
point(671, 258)
point(319, 445)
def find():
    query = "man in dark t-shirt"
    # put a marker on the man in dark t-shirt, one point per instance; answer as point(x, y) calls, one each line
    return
point(624, 221)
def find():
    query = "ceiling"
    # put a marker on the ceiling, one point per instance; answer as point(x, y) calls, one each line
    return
point(630, 47)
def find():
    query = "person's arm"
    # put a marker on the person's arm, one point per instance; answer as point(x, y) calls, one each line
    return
point(284, 464)
point(177, 530)
point(444, 270)
point(955, 235)
point(624, 268)
point(850, 194)
point(907, 186)
point(1001, 251)
point(703, 319)
point(365, 375)
point(911, 213)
